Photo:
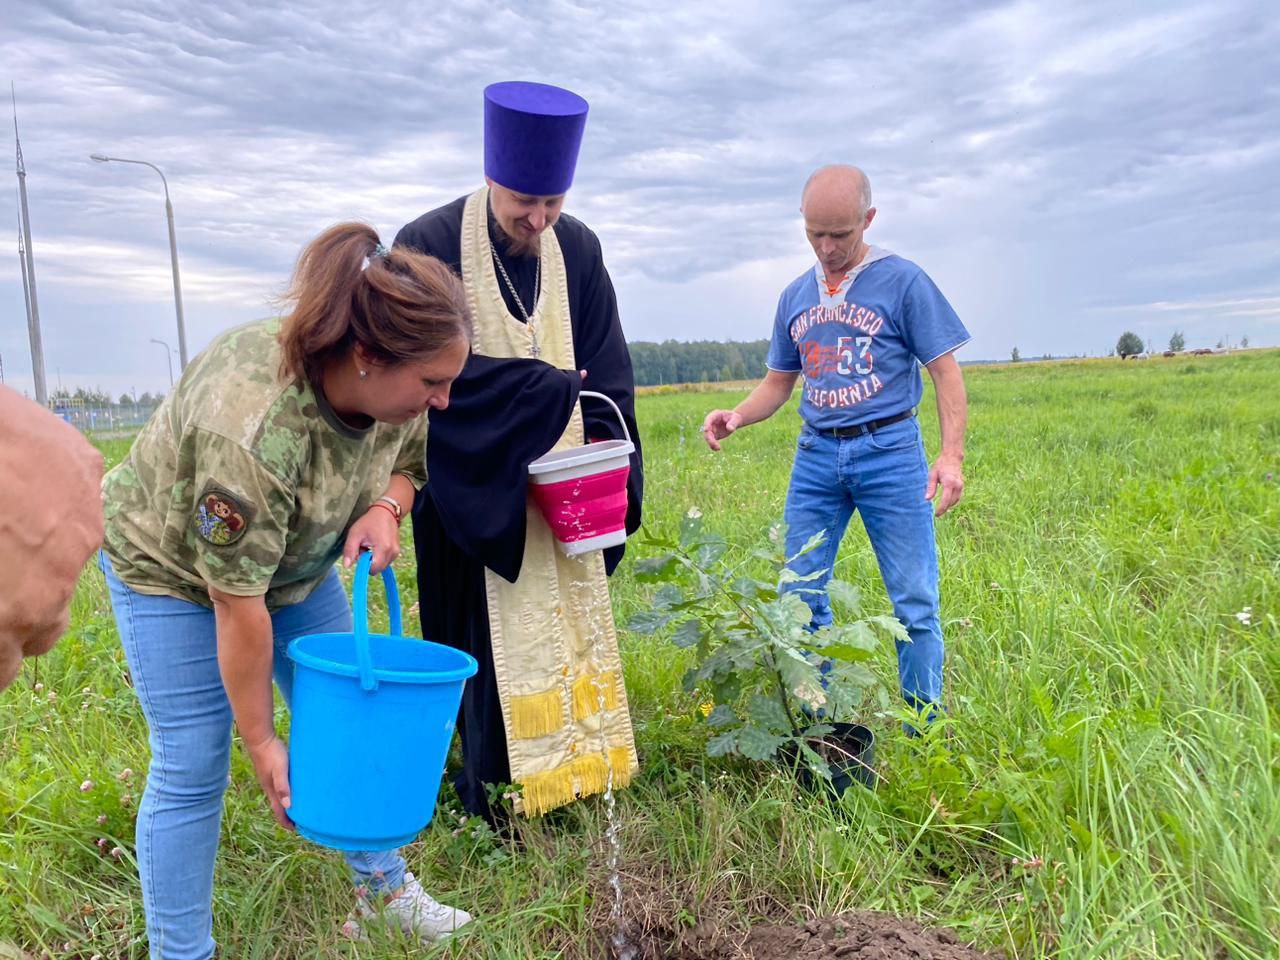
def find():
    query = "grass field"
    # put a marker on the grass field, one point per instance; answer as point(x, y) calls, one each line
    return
point(1111, 595)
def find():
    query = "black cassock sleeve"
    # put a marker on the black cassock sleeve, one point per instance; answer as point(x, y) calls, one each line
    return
point(502, 416)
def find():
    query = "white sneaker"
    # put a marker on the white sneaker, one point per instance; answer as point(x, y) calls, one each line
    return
point(416, 913)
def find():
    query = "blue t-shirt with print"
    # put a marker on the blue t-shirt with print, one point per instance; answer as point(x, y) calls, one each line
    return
point(859, 349)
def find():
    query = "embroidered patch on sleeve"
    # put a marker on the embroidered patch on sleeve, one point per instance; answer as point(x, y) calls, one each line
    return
point(221, 517)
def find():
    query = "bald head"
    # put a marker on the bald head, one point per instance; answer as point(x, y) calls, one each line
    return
point(838, 188)
point(836, 206)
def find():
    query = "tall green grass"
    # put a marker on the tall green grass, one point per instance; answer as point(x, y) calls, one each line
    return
point(1110, 785)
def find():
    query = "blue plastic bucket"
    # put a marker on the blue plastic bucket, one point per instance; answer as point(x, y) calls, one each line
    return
point(372, 719)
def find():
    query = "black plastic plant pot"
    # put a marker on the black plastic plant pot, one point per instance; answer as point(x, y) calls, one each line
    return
point(850, 752)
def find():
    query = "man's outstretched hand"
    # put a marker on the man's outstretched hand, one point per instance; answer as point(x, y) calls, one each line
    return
point(718, 425)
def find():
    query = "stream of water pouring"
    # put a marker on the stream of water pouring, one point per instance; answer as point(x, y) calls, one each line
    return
point(623, 949)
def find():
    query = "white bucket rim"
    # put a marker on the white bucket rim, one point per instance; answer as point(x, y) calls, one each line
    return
point(591, 453)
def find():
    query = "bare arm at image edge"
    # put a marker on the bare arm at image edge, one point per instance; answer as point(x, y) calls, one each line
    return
point(50, 525)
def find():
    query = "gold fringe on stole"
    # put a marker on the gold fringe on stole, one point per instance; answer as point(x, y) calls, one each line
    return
point(620, 760)
point(580, 777)
point(593, 774)
point(536, 714)
point(540, 792)
point(587, 693)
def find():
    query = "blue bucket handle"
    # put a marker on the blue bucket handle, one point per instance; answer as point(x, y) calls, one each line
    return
point(360, 611)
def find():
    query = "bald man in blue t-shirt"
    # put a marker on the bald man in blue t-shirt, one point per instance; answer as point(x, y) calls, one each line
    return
point(857, 327)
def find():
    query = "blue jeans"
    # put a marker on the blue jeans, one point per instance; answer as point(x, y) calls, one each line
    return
point(171, 646)
point(881, 475)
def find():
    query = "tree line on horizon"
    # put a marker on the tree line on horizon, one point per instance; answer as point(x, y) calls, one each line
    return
point(671, 361)
point(698, 361)
point(1132, 345)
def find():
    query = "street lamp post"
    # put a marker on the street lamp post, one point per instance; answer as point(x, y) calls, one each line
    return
point(168, 356)
point(173, 248)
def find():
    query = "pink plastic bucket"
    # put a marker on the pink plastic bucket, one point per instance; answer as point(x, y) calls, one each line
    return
point(582, 491)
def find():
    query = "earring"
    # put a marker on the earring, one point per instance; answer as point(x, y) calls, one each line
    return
point(363, 374)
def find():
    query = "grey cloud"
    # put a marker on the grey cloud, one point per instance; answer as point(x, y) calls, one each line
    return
point(1117, 153)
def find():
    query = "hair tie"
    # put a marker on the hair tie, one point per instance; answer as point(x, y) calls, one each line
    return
point(378, 251)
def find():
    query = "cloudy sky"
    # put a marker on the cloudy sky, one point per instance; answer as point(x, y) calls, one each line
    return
point(1063, 171)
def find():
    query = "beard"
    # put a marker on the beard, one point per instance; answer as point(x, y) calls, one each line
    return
point(519, 246)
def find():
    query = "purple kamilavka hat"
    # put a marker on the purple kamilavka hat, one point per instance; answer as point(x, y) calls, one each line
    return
point(532, 132)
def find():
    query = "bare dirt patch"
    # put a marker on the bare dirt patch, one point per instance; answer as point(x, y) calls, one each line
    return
point(749, 922)
point(861, 935)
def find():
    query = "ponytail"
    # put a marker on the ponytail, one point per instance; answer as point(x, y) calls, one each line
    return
point(400, 306)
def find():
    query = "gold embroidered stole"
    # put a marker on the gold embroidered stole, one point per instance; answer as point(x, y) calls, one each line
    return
point(555, 648)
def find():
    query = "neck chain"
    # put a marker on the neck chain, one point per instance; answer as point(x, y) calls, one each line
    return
point(537, 292)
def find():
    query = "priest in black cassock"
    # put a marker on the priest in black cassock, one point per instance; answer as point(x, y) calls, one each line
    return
point(547, 711)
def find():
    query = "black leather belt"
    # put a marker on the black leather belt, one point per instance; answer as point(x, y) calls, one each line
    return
point(871, 426)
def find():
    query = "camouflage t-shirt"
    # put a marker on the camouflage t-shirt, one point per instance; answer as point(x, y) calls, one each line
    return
point(247, 483)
